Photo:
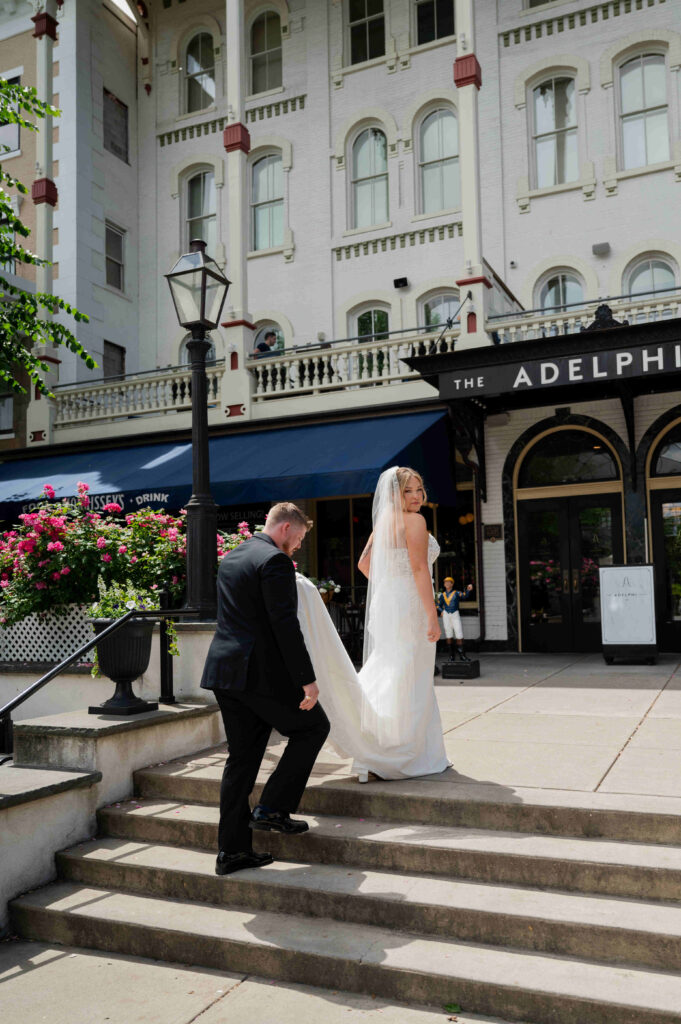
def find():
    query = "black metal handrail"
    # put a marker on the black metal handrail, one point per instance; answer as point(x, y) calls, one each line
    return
point(166, 695)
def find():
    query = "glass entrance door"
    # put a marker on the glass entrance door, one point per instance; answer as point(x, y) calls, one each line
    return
point(666, 523)
point(562, 543)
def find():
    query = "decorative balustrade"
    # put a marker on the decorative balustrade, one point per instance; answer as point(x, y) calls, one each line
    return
point(141, 395)
point(344, 365)
point(534, 324)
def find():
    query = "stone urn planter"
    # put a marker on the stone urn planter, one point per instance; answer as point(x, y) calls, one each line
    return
point(124, 657)
point(327, 596)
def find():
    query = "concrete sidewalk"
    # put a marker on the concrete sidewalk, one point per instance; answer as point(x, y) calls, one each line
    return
point(559, 722)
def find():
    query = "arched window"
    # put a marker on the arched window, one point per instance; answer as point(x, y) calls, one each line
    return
point(643, 111)
point(437, 309)
point(556, 160)
point(370, 178)
point(266, 52)
point(263, 337)
point(185, 357)
point(201, 220)
point(371, 324)
point(267, 202)
point(199, 72)
point(568, 457)
point(650, 275)
point(439, 162)
point(560, 290)
point(667, 458)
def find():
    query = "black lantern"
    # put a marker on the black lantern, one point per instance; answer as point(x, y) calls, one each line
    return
point(199, 289)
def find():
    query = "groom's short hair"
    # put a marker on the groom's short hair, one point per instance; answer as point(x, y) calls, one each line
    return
point(287, 512)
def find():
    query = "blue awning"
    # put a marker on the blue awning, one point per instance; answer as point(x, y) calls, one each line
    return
point(321, 461)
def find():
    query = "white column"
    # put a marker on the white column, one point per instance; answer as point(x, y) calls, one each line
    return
point(237, 323)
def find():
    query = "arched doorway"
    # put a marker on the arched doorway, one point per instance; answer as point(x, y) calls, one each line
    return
point(663, 474)
point(568, 495)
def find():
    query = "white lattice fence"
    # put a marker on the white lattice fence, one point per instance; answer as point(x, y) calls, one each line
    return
point(48, 638)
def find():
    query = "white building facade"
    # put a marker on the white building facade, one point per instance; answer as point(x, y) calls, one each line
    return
point(364, 170)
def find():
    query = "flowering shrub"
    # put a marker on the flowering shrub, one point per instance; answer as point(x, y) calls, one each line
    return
point(326, 586)
point(56, 555)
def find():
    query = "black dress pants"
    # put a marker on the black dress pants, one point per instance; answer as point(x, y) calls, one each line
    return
point(249, 718)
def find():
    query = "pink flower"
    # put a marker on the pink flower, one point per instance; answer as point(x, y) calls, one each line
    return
point(122, 549)
point(4, 583)
point(82, 488)
point(172, 533)
point(133, 559)
point(112, 506)
point(101, 542)
point(41, 586)
point(173, 580)
point(48, 491)
point(106, 558)
point(55, 575)
point(55, 545)
point(65, 571)
point(85, 501)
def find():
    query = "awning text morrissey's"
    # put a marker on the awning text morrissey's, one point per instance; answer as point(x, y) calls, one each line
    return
point(535, 374)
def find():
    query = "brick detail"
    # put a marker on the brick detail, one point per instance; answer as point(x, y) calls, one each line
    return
point(467, 71)
point(44, 190)
point(237, 136)
point(45, 25)
point(238, 323)
point(474, 280)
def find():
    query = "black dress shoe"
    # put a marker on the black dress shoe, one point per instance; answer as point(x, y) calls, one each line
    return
point(230, 862)
point(276, 821)
point(463, 656)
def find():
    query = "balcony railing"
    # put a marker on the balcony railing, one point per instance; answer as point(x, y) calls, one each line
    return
point(151, 393)
point(347, 364)
point(532, 324)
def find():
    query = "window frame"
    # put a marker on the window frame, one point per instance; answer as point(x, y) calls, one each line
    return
point(13, 79)
point(371, 306)
point(263, 328)
point(366, 19)
point(438, 293)
point(552, 76)
point(110, 227)
point(186, 77)
point(542, 283)
point(629, 58)
point(438, 38)
point(4, 397)
point(268, 88)
point(272, 154)
point(120, 349)
point(187, 234)
point(372, 177)
point(637, 263)
point(421, 163)
point(124, 106)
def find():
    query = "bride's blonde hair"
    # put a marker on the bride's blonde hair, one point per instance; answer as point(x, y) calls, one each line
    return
point(404, 475)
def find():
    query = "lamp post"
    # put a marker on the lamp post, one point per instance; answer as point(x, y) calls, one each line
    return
point(199, 289)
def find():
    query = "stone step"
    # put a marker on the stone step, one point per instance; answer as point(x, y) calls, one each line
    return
point(603, 867)
point(594, 928)
point(422, 801)
point(359, 958)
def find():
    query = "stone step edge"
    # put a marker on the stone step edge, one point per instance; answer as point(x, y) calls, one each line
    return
point(467, 807)
point(304, 967)
point(255, 890)
point(526, 869)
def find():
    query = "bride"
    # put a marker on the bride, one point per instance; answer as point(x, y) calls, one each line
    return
point(386, 717)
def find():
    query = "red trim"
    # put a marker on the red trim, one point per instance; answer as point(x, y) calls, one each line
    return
point(50, 359)
point(37, 435)
point(233, 361)
point(467, 71)
point(471, 323)
point(45, 25)
point(44, 190)
point(147, 88)
point(238, 323)
point(235, 410)
point(475, 280)
point(236, 136)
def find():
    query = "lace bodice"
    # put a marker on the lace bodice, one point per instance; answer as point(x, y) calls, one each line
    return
point(433, 549)
point(402, 563)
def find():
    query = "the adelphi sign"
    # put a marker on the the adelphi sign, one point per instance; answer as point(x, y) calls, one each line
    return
point(535, 374)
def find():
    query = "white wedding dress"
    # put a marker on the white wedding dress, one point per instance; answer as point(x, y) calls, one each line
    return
point(386, 717)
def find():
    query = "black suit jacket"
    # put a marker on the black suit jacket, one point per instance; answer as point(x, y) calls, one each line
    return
point(258, 644)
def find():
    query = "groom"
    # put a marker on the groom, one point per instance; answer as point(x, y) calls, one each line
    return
point(260, 672)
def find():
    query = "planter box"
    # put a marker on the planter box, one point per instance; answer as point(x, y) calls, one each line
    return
point(46, 638)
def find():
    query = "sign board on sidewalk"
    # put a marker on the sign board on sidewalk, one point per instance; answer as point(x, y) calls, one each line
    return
point(628, 611)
